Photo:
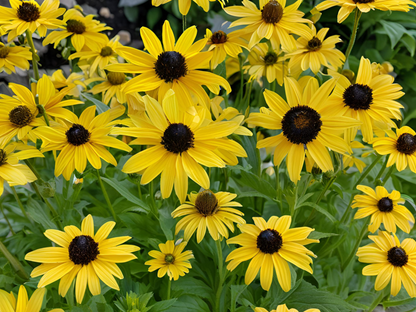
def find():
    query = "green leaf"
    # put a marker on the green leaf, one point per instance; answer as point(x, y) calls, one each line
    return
point(38, 214)
point(320, 210)
point(131, 13)
point(166, 222)
point(153, 16)
point(410, 43)
point(320, 235)
point(260, 185)
point(100, 106)
point(394, 30)
point(253, 155)
point(236, 291)
point(162, 305)
point(409, 200)
point(192, 286)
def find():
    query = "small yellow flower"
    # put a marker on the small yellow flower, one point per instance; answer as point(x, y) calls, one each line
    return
point(284, 308)
point(12, 57)
point(71, 83)
point(381, 69)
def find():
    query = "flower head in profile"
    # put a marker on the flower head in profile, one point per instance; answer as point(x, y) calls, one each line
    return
point(71, 83)
point(29, 15)
point(84, 139)
point(171, 260)
point(284, 308)
point(384, 68)
point(384, 207)
point(174, 66)
point(390, 261)
point(208, 210)
point(270, 246)
point(83, 255)
point(12, 57)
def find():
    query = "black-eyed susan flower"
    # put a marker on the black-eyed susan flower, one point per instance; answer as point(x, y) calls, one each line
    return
point(179, 143)
point(208, 210)
point(83, 255)
point(368, 100)
point(400, 146)
point(273, 20)
point(170, 260)
point(12, 57)
point(307, 123)
point(71, 83)
point(390, 261)
point(111, 86)
point(314, 51)
point(82, 30)
point(347, 6)
point(29, 15)
point(185, 5)
point(284, 308)
point(84, 139)
point(384, 207)
point(270, 246)
point(173, 66)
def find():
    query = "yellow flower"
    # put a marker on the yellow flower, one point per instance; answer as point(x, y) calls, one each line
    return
point(273, 20)
point(171, 259)
point(84, 31)
point(283, 308)
point(307, 123)
point(111, 86)
point(347, 6)
point(84, 139)
point(208, 210)
point(271, 245)
point(88, 257)
point(11, 57)
point(400, 146)
point(70, 83)
point(185, 5)
point(384, 207)
point(27, 14)
point(175, 66)
point(390, 260)
point(368, 100)
point(381, 69)
point(314, 50)
point(180, 144)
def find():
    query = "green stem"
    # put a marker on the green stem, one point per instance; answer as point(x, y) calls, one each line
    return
point(34, 55)
point(7, 220)
point(221, 275)
point(107, 199)
point(380, 173)
point(46, 201)
point(353, 35)
point(19, 202)
point(377, 301)
point(278, 187)
point(169, 289)
point(33, 169)
point(367, 171)
point(387, 176)
point(347, 211)
point(14, 262)
point(364, 231)
point(42, 109)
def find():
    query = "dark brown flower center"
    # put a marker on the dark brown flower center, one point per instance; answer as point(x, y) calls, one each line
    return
point(28, 12)
point(77, 135)
point(314, 44)
point(177, 138)
point(116, 78)
point(83, 249)
point(3, 157)
point(4, 51)
point(406, 143)
point(206, 203)
point(272, 12)
point(358, 96)
point(385, 204)
point(169, 259)
point(75, 26)
point(397, 256)
point(219, 37)
point(301, 124)
point(170, 65)
point(20, 116)
point(269, 241)
point(106, 51)
point(270, 58)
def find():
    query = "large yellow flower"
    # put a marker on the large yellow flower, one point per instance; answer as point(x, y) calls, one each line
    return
point(270, 246)
point(27, 14)
point(273, 21)
point(390, 260)
point(82, 254)
point(173, 66)
point(11, 57)
point(368, 99)
point(208, 210)
point(180, 144)
point(307, 123)
point(84, 139)
point(284, 308)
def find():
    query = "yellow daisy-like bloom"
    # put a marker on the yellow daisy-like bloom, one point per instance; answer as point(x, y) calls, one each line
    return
point(84, 139)
point(400, 146)
point(100, 55)
point(384, 207)
point(185, 5)
point(175, 66)
point(368, 100)
point(88, 257)
point(284, 308)
point(381, 69)
point(390, 260)
point(10, 170)
point(268, 63)
point(314, 51)
point(111, 86)
point(208, 210)
point(222, 44)
point(271, 245)
point(12, 57)
point(171, 259)
point(347, 6)
point(307, 123)
point(273, 21)
point(180, 144)
point(84, 31)
point(70, 83)
point(28, 15)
